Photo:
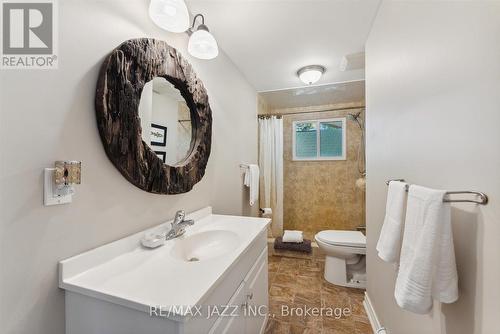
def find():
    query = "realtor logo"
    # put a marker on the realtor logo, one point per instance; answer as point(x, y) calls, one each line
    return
point(28, 35)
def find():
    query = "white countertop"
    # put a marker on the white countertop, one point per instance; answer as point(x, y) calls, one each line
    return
point(125, 273)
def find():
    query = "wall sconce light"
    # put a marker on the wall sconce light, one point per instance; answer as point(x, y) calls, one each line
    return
point(202, 43)
point(310, 74)
point(58, 182)
point(171, 15)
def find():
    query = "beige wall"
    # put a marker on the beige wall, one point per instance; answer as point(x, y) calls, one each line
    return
point(322, 195)
point(262, 106)
point(49, 115)
point(433, 115)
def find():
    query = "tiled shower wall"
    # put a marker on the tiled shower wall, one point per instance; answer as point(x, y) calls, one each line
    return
point(322, 195)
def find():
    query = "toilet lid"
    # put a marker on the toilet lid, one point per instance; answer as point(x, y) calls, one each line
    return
point(342, 238)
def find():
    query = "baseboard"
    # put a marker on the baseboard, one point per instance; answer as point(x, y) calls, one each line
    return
point(372, 316)
point(264, 325)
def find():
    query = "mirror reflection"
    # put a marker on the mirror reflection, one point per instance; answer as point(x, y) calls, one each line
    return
point(165, 120)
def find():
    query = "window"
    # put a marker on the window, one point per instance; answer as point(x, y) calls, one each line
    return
point(322, 139)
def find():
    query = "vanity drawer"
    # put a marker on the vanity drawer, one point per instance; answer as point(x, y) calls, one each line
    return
point(256, 268)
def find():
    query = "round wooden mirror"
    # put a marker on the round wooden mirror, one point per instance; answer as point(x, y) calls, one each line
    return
point(125, 73)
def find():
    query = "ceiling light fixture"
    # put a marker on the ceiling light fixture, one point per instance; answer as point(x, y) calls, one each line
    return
point(202, 43)
point(171, 15)
point(310, 74)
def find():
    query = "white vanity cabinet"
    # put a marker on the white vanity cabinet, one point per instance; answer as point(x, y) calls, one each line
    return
point(252, 297)
point(109, 290)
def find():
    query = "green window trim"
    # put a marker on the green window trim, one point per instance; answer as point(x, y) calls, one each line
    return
point(322, 139)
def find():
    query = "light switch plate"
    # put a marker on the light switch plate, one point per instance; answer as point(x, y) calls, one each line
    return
point(50, 196)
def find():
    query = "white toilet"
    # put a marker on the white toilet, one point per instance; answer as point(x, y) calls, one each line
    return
point(345, 262)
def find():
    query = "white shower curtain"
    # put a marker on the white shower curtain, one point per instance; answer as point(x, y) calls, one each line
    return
point(271, 170)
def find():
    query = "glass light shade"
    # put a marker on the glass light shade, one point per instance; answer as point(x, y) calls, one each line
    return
point(171, 15)
point(203, 45)
point(310, 76)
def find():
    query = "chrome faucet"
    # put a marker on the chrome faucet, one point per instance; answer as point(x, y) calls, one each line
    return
point(179, 225)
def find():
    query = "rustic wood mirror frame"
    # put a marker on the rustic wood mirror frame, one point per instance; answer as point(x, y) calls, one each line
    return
point(121, 80)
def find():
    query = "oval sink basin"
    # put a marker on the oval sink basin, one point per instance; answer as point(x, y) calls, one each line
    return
point(205, 245)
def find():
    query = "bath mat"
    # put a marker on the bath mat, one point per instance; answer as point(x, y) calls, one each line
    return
point(304, 247)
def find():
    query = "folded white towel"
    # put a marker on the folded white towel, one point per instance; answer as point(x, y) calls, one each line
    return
point(293, 236)
point(389, 241)
point(252, 182)
point(427, 265)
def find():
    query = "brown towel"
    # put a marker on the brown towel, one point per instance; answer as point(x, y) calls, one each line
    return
point(304, 247)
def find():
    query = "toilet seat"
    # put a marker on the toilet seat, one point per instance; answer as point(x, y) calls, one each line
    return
point(342, 238)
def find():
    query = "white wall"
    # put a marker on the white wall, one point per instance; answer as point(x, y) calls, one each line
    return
point(146, 111)
point(49, 115)
point(165, 113)
point(433, 117)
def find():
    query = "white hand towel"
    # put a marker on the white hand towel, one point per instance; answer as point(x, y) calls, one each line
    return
point(389, 241)
point(427, 266)
point(293, 236)
point(252, 182)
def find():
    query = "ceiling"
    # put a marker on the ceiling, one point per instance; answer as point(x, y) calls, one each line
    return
point(346, 92)
point(270, 40)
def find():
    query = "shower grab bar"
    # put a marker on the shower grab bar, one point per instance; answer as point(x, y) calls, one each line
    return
point(483, 198)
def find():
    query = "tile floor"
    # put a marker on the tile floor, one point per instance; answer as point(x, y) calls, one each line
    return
point(299, 283)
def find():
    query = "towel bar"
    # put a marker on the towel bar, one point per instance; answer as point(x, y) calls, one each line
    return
point(483, 198)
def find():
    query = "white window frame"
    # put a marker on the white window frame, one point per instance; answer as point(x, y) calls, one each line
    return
point(318, 149)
